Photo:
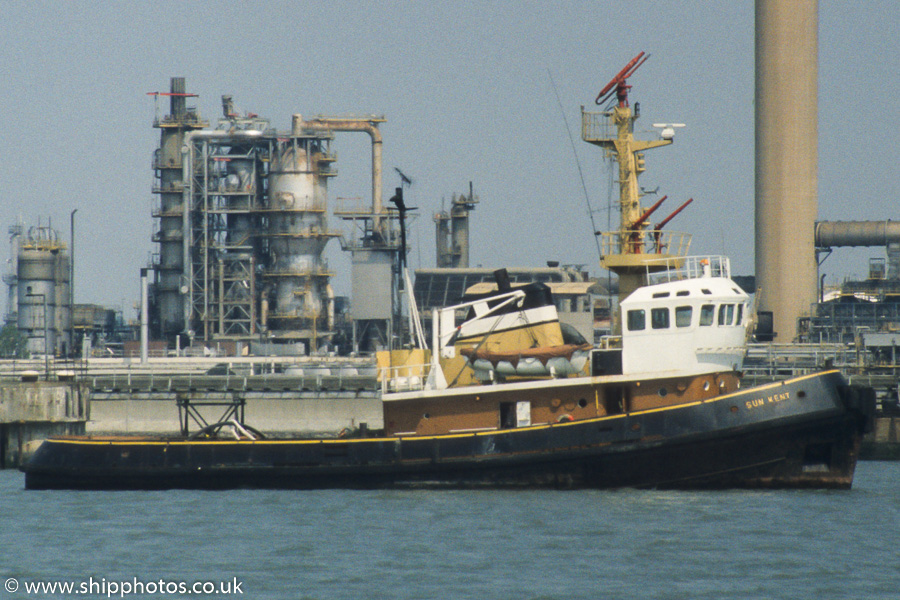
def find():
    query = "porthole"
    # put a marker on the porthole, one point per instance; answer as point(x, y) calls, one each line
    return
point(582, 403)
point(705, 386)
point(801, 394)
point(427, 415)
point(663, 392)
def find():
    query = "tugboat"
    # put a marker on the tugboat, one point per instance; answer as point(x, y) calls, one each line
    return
point(508, 397)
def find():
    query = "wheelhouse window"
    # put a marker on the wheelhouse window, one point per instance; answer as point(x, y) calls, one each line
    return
point(659, 318)
point(707, 313)
point(683, 315)
point(726, 314)
point(637, 320)
point(740, 314)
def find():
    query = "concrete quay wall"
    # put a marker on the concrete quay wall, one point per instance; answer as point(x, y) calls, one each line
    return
point(309, 402)
point(274, 413)
point(33, 411)
point(884, 442)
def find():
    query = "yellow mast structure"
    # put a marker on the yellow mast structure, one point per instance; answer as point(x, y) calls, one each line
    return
point(635, 249)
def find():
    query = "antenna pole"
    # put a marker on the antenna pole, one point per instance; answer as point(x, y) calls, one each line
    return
point(587, 199)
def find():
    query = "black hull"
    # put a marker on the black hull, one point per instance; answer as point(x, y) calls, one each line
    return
point(804, 433)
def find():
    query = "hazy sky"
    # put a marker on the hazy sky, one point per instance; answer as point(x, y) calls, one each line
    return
point(466, 90)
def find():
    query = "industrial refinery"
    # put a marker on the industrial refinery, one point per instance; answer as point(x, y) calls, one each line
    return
point(240, 218)
point(242, 224)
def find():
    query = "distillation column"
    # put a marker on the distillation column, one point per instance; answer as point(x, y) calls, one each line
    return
point(786, 160)
point(167, 165)
point(442, 239)
point(45, 313)
point(452, 231)
point(459, 214)
point(298, 278)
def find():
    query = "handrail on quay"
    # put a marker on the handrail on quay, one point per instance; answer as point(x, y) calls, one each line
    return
point(215, 374)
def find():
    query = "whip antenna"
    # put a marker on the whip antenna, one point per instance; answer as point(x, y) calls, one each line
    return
point(587, 199)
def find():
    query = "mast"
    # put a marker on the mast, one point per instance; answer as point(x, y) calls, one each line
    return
point(635, 248)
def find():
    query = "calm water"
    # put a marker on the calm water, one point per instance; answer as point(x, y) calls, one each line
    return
point(484, 545)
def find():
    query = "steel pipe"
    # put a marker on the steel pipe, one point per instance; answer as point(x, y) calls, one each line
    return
point(145, 317)
point(365, 124)
point(831, 234)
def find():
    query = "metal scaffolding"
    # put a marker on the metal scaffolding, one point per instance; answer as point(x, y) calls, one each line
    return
point(226, 199)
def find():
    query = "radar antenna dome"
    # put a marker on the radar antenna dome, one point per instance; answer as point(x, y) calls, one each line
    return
point(668, 129)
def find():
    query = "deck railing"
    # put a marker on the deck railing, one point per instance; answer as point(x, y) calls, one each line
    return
point(648, 242)
point(403, 378)
point(597, 126)
point(687, 267)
